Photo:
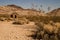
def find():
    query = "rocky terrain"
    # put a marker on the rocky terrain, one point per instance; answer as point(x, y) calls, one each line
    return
point(55, 12)
point(8, 9)
point(17, 23)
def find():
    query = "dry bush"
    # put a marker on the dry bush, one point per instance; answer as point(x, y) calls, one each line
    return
point(21, 21)
point(18, 23)
point(2, 19)
point(49, 31)
point(55, 18)
point(39, 33)
point(46, 32)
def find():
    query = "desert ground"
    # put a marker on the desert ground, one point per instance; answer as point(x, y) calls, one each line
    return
point(8, 31)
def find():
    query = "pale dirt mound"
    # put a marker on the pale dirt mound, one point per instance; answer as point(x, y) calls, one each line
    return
point(9, 31)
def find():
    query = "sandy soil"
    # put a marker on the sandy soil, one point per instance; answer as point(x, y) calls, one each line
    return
point(8, 31)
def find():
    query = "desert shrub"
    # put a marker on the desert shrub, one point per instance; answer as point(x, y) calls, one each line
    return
point(34, 18)
point(21, 21)
point(24, 20)
point(58, 34)
point(55, 18)
point(4, 15)
point(39, 33)
point(44, 34)
point(46, 37)
point(56, 37)
point(1, 19)
point(44, 19)
point(18, 23)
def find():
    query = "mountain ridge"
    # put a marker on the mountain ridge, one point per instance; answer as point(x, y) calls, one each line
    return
point(55, 12)
point(14, 8)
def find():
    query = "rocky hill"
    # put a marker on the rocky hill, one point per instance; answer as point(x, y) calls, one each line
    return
point(55, 12)
point(8, 9)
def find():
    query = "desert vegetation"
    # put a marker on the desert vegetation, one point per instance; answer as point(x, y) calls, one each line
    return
point(47, 27)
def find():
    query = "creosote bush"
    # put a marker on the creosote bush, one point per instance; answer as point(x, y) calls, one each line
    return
point(43, 34)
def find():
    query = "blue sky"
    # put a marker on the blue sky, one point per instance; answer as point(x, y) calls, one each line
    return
point(28, 3)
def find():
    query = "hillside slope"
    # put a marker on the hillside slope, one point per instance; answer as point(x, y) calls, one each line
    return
point(55, 12)
point(21, 11)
